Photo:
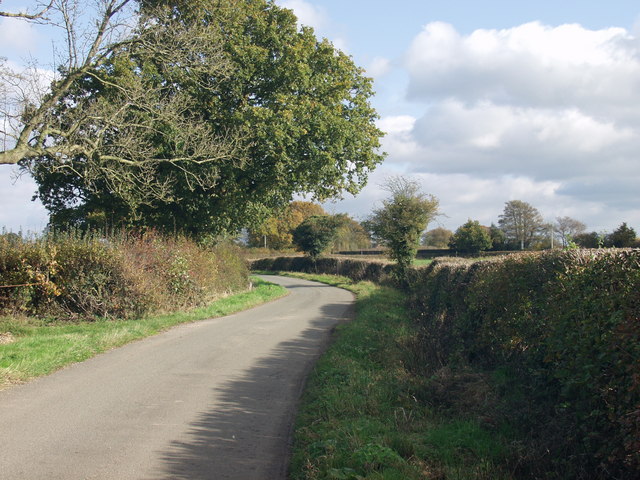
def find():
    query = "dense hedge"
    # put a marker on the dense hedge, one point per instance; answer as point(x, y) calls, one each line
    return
point(357, 270)
point(558, 331)
point(86, 277)
point(565, 326)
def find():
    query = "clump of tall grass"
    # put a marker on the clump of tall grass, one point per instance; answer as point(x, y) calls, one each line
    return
point(88, 276)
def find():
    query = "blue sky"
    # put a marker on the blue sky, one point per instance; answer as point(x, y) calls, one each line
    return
point(482, 102)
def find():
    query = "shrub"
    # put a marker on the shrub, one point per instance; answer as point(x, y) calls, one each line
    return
point(355, 269)
point(562, 331)
point(566, 326)
point(85, 277)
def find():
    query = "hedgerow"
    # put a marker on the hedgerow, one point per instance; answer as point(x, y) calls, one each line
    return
point(356, 270)
point(69, 276)
point(559, 334)
point(565, 326)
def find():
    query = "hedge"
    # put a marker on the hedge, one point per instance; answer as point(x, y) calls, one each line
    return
point(88, 277)
point(566, 326)
point(563, 329)
point(357, 270)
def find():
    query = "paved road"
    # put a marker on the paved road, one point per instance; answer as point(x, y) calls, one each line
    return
point(209, 400)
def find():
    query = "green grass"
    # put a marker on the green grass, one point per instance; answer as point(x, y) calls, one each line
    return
point(41, 347)
point(365, 415)
point(422, 262)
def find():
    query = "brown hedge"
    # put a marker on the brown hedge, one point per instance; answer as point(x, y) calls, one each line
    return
point(88, 277)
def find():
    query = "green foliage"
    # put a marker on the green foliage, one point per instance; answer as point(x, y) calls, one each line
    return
point(277, 231)
point(437, 238)
point(498, 238)
point(351, 235)
point(292, 111)
point(565, 325)
point(589, 240)
point(471, 238)
point(559, 334)
point(355, 270)
point(316, 233)
point(402, 219)
point(88, 277)
point(622, 237)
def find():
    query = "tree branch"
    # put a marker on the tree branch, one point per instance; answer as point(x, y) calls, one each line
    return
point(32, 17)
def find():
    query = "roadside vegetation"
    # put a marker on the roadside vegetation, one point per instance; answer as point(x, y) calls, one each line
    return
point(78, 276)
point(31, 347)
point(524, 366)
point(366, 414)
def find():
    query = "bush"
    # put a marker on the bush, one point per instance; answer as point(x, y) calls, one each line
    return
point(87, 277)
point(560, 333)
point(355, 269)
point(566, 326)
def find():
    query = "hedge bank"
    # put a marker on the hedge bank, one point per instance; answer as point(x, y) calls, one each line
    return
point(560, 333)
point(87, 277)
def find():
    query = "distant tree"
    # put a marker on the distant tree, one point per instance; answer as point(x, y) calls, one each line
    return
point(521, 223)
point(622, 237)
point(315, 235)
point(277, 231)
point(566, 228)
point(437, 238)
point(471, 238)
point(351, 235)
point(498, 238)
point(589, 240)
point(403, 217)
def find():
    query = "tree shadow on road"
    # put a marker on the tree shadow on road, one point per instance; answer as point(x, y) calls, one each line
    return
point(247, 432)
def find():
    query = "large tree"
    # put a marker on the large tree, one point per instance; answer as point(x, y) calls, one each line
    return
point(402, 219)
point(351, 235)
point(315, 235)
point(280, 113)
point(521, 223)
point(622, 237)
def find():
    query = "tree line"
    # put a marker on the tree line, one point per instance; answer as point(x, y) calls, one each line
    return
point(401, 223)
point(521, 226)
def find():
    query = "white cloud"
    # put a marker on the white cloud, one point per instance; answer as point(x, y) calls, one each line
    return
point(529, 65)
point(488, 138)
point(543, 114)
point(378, 67)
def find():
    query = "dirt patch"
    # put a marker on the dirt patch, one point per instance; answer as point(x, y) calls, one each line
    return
point(6, 338)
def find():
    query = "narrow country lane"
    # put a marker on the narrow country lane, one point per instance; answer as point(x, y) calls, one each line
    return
point(209, 400)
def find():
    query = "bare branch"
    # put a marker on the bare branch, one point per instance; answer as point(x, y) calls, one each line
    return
point(37, 16)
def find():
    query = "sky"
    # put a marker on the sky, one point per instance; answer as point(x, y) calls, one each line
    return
point(481, 102)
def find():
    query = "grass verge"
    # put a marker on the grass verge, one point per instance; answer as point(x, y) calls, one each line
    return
point(365, 415)
point(39, 347)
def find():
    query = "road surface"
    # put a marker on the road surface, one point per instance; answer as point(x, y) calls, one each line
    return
point(209, 400)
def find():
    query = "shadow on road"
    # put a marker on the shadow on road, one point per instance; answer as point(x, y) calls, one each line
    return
point(246, 435)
